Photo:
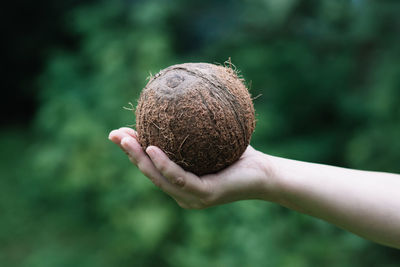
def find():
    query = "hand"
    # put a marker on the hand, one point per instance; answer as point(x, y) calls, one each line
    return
point(248, 178)
point(359, 201)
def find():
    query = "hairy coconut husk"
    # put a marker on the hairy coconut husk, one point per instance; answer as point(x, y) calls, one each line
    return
point(201, 115)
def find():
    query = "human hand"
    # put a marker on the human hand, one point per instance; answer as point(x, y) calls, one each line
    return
point(248, 178)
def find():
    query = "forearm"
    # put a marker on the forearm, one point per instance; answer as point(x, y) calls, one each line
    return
point(365, 203)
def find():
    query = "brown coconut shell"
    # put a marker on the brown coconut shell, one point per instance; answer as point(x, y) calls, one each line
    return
point(201, 115)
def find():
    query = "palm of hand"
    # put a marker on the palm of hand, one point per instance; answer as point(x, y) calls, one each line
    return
point(241, 180)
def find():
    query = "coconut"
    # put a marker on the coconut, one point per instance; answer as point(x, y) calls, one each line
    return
point(201, 115)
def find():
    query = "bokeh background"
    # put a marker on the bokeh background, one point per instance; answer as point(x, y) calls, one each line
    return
point(329, 77)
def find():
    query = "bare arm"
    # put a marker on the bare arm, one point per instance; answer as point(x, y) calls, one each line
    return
point(365, 203)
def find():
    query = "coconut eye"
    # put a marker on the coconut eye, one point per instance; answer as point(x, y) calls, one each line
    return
point(175, 80)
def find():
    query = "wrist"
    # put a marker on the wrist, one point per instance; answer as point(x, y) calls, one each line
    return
point(285, 179)
point(272, 185)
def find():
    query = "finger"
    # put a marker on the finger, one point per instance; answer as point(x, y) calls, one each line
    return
point(129, 131)
point(113, 135)
point(175, 174)
point(116, 137)
point(146, 166)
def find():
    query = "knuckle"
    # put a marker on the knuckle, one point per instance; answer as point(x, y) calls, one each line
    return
point(207, 200)
point(204, 189)
point(163, 166)
point(178, 181)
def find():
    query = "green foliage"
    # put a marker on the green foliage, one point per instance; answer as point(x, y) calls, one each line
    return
point(329, 80)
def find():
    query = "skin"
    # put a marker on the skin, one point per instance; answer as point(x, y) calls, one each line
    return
point(363, 202)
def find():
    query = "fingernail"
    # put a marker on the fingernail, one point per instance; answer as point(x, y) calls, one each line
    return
point(150, 152)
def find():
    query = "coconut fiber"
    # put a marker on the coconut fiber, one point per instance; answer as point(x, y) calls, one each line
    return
point(201, 115)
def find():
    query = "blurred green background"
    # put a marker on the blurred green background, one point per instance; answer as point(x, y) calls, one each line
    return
point(329, 77)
